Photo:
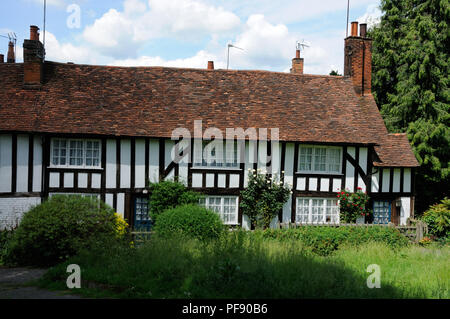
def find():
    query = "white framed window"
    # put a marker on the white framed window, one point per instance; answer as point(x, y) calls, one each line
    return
point(320, 159)
point(216, 154)
point(77, 153)
point(225, 206)
point(317, 210)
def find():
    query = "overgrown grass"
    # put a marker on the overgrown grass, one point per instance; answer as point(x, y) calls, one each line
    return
point(240, 265)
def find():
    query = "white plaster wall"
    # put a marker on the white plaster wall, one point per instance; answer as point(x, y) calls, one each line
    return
point(154, 161)
point(12, 209)
point(386, 178)
point(396, 182)
point(22, 163)
point(121, 204)
point(139, 172)
point(125, 163)
point(5, 163)
point(110, 164)
point(405, 211)
point(407, 180)
point(375, 181)
point(37, 164)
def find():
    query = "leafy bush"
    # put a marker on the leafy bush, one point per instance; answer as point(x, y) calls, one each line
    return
point(191, 220)
point(169, 194)
point(352, 205)
point(58, 228)
point(437, 218)
point(324, 240)
point(5, 237)
point(263, 198)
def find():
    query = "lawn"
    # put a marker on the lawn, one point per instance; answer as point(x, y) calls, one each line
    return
point(245, 265)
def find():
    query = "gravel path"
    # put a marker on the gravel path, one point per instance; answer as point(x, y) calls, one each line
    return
point(14, 285)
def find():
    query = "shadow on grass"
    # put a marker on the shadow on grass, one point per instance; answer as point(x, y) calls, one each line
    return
point(233, 267)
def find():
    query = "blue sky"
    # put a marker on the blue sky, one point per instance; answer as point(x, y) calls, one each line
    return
point(188, 33)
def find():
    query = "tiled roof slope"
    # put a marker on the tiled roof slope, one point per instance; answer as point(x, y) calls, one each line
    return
point(152, 101)
point(395, 151)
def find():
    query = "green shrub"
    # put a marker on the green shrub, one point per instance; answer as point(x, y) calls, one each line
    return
point(169, 194)
point(324, 240)
point(263, 199)
point(58, 228)
point(5, 238)
point(437, 218)
point(191, 220)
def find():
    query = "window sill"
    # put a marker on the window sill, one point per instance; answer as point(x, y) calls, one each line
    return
point(318, 173)
point(75, 168)
point(237, 169)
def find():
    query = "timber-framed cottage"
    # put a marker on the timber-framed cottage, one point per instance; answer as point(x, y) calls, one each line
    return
point(107, 132)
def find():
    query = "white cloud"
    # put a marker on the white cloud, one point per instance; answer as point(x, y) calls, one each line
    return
point(372, 16)
point(197, 61)
point(120, 34)
point(67, 52)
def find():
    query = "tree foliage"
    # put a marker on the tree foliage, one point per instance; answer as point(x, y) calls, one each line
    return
point(410, 81)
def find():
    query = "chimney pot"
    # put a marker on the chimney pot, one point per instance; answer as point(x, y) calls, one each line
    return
point(297, 54)
point(210, 65)
point(11, 58)
point(34, 34)
point(355, 29)
point(363, 30)
point(2, 58)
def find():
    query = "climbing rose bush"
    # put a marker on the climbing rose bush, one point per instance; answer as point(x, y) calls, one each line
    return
point(353, 205)
point(263, 198)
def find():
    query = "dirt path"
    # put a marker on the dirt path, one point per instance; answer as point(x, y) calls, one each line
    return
point(14, 285)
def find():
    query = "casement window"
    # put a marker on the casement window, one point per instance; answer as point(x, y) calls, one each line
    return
point(317, 210)
point(75, 153)
point(216, 154)
point(320, 159)
point(381, 212)
point(225, 206)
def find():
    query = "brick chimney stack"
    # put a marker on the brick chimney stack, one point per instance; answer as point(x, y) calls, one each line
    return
point(297, 63)
point(11, 57)
point(33, 58)
point(2, 58)
point(210, 65)
point(358, 59)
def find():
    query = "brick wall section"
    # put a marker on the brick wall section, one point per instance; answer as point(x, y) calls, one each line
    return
point(12, 209)
point(358, 63)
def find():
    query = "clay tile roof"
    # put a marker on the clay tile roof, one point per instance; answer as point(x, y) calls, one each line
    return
point(395, 151)
point(152, 101)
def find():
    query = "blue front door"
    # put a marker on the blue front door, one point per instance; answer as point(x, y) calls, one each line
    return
point(142, 220)
point(381, 212)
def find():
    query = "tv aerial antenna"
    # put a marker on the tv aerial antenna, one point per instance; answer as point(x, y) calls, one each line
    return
point(301, 45)
point(12, 37)
point(228, 53)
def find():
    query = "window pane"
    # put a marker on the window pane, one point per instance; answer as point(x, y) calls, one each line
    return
point(320, 158)
point(305, 158)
